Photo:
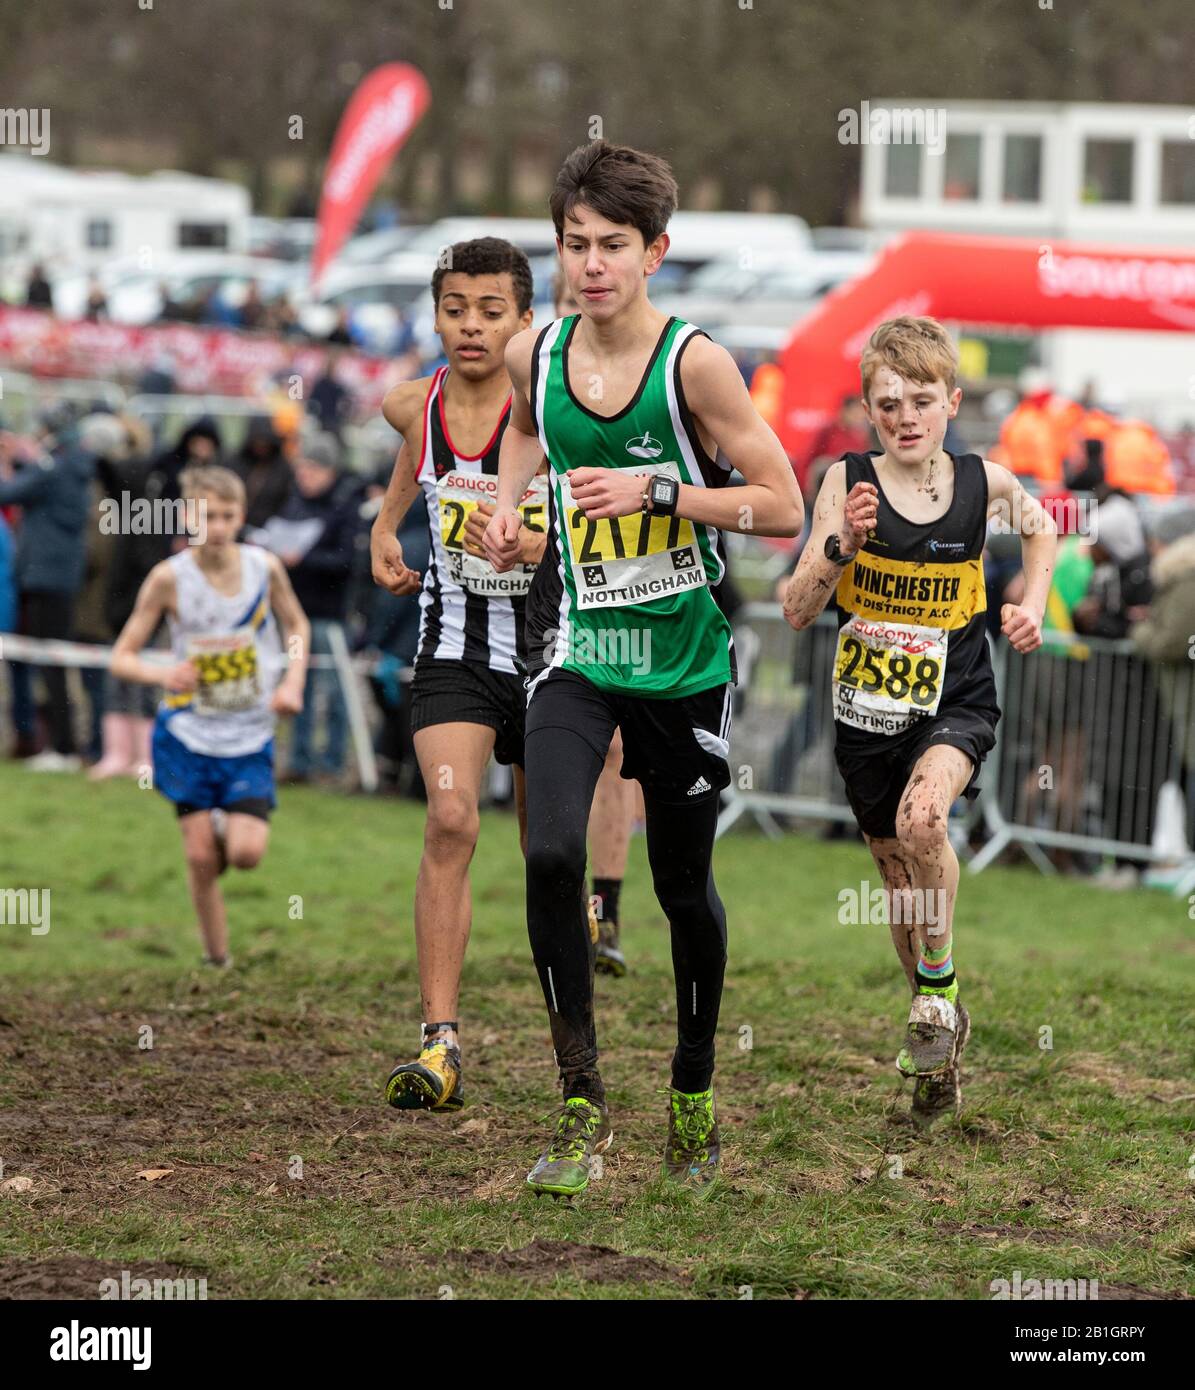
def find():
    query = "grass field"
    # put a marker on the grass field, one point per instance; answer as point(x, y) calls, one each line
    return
point(1071, 1162)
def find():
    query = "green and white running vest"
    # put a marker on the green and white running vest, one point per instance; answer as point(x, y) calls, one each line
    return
point(631, 602)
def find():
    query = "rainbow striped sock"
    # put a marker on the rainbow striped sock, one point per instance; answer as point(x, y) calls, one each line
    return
point(935, 969)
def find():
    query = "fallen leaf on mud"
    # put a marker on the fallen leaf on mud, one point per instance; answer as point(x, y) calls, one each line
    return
point(20, 1183)
point(488, 1039)
point(255, 1157)
point(153, 1174)
point(265, 1192)
point(478, 1125)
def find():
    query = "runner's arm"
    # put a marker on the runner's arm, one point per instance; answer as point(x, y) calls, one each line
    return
point(403, 409)
point(1008, 500)
point(770, 502)
point(518, 459)
point(850, 517)
point(295, 631)
point(155, 599)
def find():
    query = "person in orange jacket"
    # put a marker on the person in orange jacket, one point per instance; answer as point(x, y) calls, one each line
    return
point(1035, 439)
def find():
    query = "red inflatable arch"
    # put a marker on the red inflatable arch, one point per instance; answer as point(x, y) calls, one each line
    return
point(975, 280)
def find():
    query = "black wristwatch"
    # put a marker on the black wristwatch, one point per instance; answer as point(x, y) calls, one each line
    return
point(662, 495)
point(834, 550)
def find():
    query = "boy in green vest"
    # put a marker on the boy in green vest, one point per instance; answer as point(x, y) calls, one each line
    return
point(630, 408)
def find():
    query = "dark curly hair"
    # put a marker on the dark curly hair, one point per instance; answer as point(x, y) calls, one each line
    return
point(485, 255)
point(621, 184)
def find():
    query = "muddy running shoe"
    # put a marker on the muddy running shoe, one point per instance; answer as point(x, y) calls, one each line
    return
point(942, 1093)
point(582, 1131)
point(693, 1150)
point(609, 959)
point(932, 1029)
point(431, 1083)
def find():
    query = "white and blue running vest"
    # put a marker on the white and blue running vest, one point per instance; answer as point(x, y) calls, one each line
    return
point(235, 644)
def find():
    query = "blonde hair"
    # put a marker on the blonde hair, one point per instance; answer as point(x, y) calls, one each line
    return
point(919, 349)
point(213, 480)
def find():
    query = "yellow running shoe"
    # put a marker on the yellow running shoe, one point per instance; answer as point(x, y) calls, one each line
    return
point(431, 1083)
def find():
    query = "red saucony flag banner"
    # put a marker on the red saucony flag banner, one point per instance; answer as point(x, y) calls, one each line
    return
point(975, 280)
point(380, 115)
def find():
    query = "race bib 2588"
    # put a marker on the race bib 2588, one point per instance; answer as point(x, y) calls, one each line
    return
point(887, 675)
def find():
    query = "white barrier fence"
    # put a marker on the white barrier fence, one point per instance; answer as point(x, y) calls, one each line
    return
point(1095, 752)
point(41, 651)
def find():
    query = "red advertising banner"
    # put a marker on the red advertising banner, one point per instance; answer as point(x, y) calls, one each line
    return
point(213, 361)
point(975, 280)
point(380, 115)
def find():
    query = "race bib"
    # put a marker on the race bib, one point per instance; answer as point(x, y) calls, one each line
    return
point(229, 678)
point(458, 494)
point(886, 675)
point(621, 560)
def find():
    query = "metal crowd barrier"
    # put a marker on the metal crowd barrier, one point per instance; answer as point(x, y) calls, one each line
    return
point(782, 736)
point(1094, 759)
point(1092, 737)
point(22, 396)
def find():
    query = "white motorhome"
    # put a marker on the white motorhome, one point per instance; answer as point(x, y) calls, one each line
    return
point(72, 221)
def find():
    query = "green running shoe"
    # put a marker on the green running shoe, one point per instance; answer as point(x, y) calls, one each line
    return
point(936, 1095)
point(431, 1083)
point(694, 1149)
point(582, 1131)
point(932, 1029)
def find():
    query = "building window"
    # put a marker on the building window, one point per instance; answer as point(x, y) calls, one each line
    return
point(960, 178)
point(99, 234)
point(207, 235)
point(1177, 184)
point(1108, 171)
point(1022, 169)
point(902, 171)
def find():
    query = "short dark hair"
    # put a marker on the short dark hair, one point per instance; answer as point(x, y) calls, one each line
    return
point(486, 255)
point(621, 184)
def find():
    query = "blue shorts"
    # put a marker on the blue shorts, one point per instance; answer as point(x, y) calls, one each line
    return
point(197, 782)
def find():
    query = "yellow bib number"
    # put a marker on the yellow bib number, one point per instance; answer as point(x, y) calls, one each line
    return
point(625, 537)
point(228, 673)
point(901, 677)
point(887, 674)
point(455, 514)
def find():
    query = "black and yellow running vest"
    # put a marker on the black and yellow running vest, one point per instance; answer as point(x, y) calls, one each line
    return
point(912, 641)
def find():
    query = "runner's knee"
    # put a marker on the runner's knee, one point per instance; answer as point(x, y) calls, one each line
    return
point(555, 859)
point(921, 828)
point(452, 826)
point(245, 856)
point(203, 860)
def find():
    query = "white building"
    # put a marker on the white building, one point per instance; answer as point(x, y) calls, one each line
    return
point(1107, 174)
